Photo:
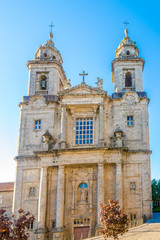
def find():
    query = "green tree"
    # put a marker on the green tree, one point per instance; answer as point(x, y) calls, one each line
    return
point(113, 220)
point(155, 190)
point(15, 229)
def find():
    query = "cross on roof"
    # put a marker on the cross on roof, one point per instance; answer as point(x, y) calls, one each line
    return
point(83, 74)
point(126, 23)
point(51, 26)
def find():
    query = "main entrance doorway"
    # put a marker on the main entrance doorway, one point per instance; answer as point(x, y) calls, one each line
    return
point(81, 233)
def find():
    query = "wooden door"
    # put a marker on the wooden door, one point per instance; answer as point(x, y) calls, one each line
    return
point(81, 233)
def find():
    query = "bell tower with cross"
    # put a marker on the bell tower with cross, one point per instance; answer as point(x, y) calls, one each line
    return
point(127, 66)
point(46, 74)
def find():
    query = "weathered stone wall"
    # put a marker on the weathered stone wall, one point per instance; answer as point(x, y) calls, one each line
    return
point(6, 200)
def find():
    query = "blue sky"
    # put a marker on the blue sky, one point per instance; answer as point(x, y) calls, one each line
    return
point(87, 33)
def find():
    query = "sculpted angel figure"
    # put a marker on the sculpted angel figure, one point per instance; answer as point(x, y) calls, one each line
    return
point(99, 83)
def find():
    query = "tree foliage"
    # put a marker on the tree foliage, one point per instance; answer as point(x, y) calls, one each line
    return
point(113, 220)
point(15, 229)
point(155, 190)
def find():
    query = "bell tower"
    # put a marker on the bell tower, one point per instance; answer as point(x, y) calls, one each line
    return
point(127, 67)
point(46, 75)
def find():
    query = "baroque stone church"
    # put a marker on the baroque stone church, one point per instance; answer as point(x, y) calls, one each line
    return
point(78, 146)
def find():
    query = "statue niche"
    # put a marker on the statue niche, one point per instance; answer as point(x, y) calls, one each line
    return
point(83, 192)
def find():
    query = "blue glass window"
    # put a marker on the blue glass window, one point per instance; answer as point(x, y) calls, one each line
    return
point(37, 125)
point(130, 121)
point(83, 185)
point(84, 133)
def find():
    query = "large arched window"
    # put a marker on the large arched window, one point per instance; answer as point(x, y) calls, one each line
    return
point(128, 80)
point(43, 82)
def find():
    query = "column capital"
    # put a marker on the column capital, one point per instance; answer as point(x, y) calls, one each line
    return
point(100, 164)
point(63, 106)
point(118, 165)
point(101, 105)
point(61, 167)
point(43, 167)
point(73, 182)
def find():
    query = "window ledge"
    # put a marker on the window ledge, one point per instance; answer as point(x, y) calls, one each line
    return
point(83, 145)
point(41, 92)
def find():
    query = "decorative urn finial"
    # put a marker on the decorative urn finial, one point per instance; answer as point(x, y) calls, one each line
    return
point(50, 36)
point(126, 32)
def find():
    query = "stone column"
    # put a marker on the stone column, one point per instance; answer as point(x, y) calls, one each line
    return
point(73, 194)
point(119, 184)
point(101, 137)
point(90, 193)
point(42, 204)
point(60, 199)
point(17, 197)
point(100, 188)
point(63, 127)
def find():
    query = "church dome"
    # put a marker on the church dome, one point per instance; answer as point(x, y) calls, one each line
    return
point(127, 48)
point(48, 51)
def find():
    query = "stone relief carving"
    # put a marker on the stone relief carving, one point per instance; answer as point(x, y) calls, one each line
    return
point(82, 189)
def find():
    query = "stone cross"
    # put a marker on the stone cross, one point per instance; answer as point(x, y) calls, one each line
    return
point(83, 74)
point(51, 26)
point(126, 23)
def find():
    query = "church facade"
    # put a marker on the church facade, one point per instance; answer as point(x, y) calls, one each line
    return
point(78, 146)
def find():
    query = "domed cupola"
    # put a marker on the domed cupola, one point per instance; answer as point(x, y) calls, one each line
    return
point(127, 48)
point(47, 51)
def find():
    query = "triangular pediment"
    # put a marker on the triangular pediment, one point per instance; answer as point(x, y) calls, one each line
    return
point(82, 89)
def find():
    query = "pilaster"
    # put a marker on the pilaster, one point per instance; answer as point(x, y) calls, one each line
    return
point(63, 127)
point(101, 137)
point(17, 197)
point(73, 194)
point(59, 231)
point(100, 188)
point(119, 184)
point(41, 231)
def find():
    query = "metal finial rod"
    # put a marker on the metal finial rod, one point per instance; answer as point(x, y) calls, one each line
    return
point(51, 26)
point(83, 74)
point(126, 23)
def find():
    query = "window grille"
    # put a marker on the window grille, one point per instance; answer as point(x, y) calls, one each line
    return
point(37, 125)
point(130, 121)
point(84, 131)
point(132, 186)
point(32, 191)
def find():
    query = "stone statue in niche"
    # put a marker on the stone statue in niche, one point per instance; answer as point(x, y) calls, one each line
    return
point(83, 188)
point(83, 196)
